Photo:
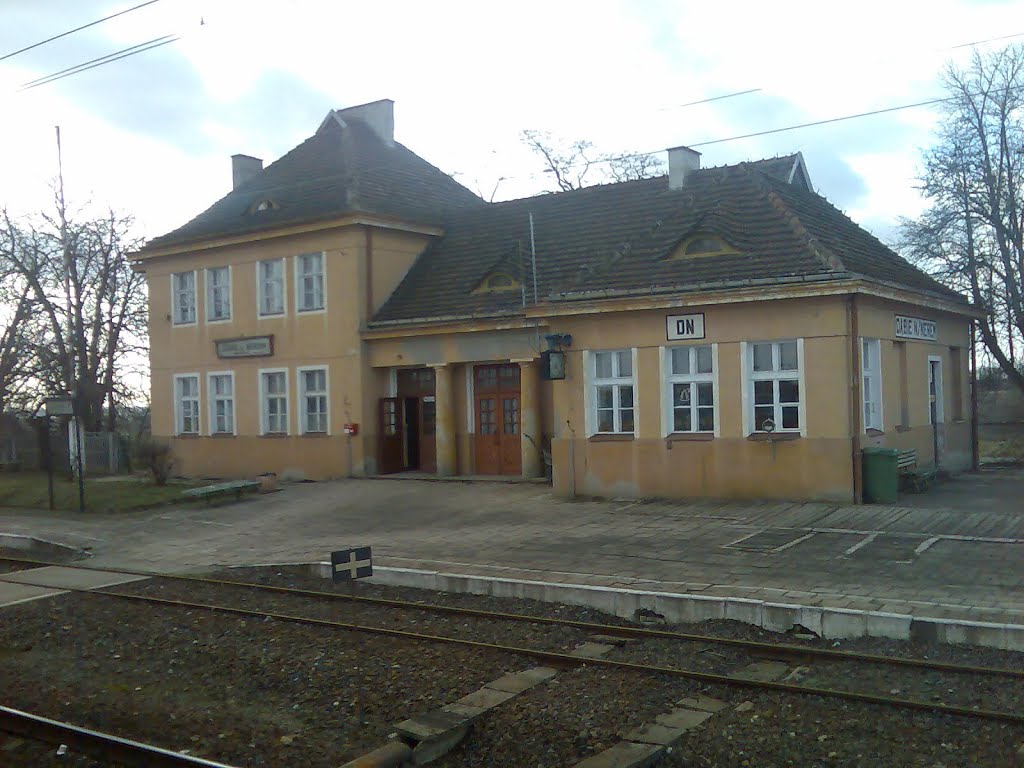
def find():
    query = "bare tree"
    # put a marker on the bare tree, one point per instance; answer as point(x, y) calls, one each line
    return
point(571, 163)
point(970, 237)
point(17, 335)
point(634, 166)
point(106, 327)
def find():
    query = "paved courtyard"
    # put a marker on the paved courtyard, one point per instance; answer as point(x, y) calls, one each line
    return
point(954, 552)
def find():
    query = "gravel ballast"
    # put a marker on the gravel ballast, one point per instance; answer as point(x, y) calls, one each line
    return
point(270, 693)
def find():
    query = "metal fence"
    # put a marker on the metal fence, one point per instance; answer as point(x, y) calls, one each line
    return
point(104, 453)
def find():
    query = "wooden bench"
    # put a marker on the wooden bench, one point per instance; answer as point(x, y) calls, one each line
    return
point(913, 477)
point(218, 490)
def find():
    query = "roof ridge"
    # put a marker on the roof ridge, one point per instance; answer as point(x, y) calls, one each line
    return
point(825, 255)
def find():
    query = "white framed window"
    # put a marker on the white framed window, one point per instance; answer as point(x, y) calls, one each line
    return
point(871, 382)
point(218, 294)
point(689, 386)
point(610, 389)
point(270, 287)
point(183, 298)
point(774, 386)
point(274, 401)
point(186, 404)
point(220, 388)
point(309, 282)
point(313, 401)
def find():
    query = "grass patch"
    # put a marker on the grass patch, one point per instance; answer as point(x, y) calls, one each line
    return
point(1006, 450)
point(28, 490)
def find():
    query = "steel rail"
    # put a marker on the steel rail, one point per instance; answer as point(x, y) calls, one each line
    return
point(765, 648)
point(96, 744)
point(567, 659)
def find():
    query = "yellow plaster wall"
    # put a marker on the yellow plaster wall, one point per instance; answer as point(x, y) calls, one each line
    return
point(877, 320)
point(393, 254)
point(329, 338)
point(817, 465)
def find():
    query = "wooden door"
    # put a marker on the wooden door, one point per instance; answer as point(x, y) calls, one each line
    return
point(511, 451)
point(497, 439)
point(488, 438)
point(390, 431)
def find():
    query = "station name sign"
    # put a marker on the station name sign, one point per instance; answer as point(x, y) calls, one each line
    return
point(685, 327)
point(253, 346)
point(916, 328)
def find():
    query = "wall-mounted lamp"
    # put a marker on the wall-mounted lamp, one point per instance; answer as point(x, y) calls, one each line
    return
point(553, 360)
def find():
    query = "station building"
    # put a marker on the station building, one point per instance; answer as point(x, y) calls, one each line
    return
point(351, 310)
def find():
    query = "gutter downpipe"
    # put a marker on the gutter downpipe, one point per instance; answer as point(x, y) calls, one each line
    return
point(975, 451)
point(856, 398)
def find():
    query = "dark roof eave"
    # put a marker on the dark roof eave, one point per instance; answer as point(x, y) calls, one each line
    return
point(379, 325)
point(191, 242)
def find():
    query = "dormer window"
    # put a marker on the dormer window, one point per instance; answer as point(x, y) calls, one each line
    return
point(703, 245)
point(265, 204)
point(497, 282)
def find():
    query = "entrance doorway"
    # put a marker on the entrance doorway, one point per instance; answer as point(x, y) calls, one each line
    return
point(408, 424)
point(496, 397)
point(936, 416)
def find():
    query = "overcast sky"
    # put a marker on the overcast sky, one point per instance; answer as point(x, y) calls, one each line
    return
point(153, 134)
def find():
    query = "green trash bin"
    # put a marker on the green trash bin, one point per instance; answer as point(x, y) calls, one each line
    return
point(880, 469)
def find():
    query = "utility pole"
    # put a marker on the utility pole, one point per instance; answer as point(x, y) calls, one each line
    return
point(76, 418)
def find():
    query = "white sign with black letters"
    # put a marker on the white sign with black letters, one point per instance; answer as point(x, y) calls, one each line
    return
point(916, 328)
point(682, 327)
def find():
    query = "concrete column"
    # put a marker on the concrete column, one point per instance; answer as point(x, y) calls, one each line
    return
point(444, 435)
point(529, 419)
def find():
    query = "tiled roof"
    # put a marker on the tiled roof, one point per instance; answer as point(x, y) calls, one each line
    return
point(337, 171)
point(617, 239)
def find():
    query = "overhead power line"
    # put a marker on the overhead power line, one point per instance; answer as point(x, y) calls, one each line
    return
point(820, 122)
point(99, 62)
point(990, 40)
point(712, 98)
point(77, 29)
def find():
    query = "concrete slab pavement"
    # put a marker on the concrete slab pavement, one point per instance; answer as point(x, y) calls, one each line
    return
point(963, 560)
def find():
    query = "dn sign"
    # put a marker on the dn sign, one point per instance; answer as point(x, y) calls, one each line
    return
point(685, 327)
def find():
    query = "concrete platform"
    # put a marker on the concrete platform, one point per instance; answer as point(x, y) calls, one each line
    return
point(946, 564)
point(13, 594)
point(59, 577)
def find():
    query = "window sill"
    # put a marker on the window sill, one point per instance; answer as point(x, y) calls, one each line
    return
point(903, 428)
point(611, 437)
point(314, 435)
point(773, 437)
point(222, 435)
point(689, 437)
point(872, 432)
point(187, 435)
point(274, 435)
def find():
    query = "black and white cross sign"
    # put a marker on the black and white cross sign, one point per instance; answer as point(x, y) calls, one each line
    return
point(348, 564)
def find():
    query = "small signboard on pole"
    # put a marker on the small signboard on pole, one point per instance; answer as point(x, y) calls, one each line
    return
point(351, 564)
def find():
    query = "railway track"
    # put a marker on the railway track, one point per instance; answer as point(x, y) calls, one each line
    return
point(95, 744)
point(618, 630)
point(562, 659)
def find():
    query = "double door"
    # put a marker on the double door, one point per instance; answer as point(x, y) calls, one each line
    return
point(497, 439)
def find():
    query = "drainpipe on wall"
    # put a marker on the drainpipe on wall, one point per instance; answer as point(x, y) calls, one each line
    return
point(856, 399)
point(975, 452)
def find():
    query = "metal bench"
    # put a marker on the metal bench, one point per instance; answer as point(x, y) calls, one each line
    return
point(913, 477)
point(218, 490)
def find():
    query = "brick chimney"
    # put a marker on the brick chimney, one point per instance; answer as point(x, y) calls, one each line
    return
point(681, 162)
point(243, 168)
point(378, 116)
